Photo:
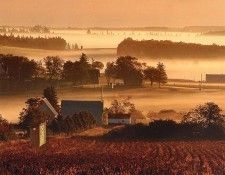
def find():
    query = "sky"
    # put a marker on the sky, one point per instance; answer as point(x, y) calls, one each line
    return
point(112, 13)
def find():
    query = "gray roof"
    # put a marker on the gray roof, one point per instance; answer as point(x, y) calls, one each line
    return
point(46, 108)
point(69, 108)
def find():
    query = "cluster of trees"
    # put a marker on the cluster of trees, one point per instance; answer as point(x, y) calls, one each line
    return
point(18, 68)
point(168, 49)
point(203, 122)
point(54, 43)
point(124, 106)
point(73, 47)
point(39, 29)
point(18, 71)
point(81, 71)
point(133, 72)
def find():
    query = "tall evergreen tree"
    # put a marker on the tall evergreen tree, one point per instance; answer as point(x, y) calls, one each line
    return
point(161, 76)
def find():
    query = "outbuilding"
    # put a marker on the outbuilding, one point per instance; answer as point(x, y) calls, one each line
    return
point(38, 135)
point(119, 119)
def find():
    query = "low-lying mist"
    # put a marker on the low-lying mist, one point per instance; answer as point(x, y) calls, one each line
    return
point(145, 99)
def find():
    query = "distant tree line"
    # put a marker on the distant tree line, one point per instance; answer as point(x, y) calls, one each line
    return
point(19, 72)
point(54, 43)
point(168, 49)
point(133, 72)
point(33, 29)
point(39, 29)
point(217, 33)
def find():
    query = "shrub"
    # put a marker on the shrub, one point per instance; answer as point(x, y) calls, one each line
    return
point(167, 129)
point(80, 121)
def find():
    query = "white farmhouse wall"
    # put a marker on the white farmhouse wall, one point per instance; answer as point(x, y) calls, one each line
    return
point(119, 121)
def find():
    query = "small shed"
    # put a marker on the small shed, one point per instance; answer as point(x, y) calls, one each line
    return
point(119, 119)
point(70, 107)
point(38, 135)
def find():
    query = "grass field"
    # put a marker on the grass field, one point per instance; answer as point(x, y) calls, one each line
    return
point(77, 155)
point(39, 54)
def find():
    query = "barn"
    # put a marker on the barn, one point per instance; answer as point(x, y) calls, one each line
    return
point(116, 119)
point(70, 107)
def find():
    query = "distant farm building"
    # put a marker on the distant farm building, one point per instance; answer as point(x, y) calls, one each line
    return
point(69, 108)
point(47, 109)
point(215, 78)
point(116, 119)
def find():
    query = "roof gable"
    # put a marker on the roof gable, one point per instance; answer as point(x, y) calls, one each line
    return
point(47, 108)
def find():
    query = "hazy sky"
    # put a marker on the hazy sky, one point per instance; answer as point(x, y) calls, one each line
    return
point(112, 13)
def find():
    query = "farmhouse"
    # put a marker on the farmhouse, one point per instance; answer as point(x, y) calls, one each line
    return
point(119, 119)
point(69, 108)
point(47, 109)
point(215, 78)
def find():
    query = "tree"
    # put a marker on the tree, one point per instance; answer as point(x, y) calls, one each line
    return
point(81, 71)
point(68, 71)
point(206, 115)
point(151, 74)
point(121, 106)
point(5, 129)
point(17, 68)
point(51, 95)
point(161, 76)
point(129, 70)
point(53, 67)
point(31, 115)
point(97, 65)
point(82, 68)
point(3, 125)
point(76, 47)
point(110, 72)
point(29, 69)
point(41, 71)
